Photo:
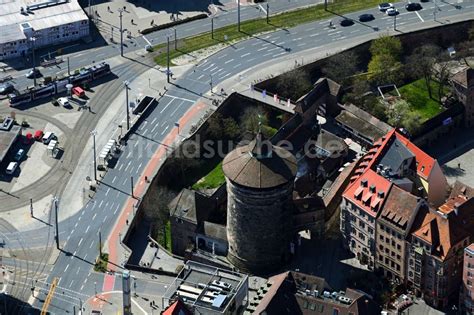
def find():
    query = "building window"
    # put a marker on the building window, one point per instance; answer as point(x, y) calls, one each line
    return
point(469, 282)
point(381, 237)
point(399, 257)
point(399, 247)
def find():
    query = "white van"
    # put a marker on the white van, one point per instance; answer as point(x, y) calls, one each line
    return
point(64, 102)
point(47, 137)
point(11, 168)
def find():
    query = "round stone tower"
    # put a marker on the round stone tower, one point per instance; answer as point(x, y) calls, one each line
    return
point(259, 180)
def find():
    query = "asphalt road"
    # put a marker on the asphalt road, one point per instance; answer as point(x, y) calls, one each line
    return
point(74, 265)
point(87, 57)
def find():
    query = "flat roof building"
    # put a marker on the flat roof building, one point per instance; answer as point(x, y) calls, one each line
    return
point(208, 290)
point(49, 22)
point(8, 135)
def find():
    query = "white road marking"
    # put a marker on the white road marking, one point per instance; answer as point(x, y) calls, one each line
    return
point(72, 281)
point(88, 227)
point(279, 54)
point(113, 179)
point(244, 55)
point(128, 165)
point(264, 11)
point(208, 67)
point(118, 206)
point(315, 34)
point(223, 56)
point(200, 77)
point(91, 245)
point(296, 39)
point(164, 130)
point(261, 49)
point(95, 214)
point(274, 48)
point(100, 204)
point(419, 16)
point(146, 40)
point(236, 66)
point(66, 268)
point(105, 218)
point(251, 59)
point(166, 106)
point(180, 98)
point(302, 44)
point(82, 287)
point(107, 192)
point(230, 60)
point(80, 242)
point(267, 54)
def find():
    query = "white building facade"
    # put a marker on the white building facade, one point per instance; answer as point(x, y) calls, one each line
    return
point(24, 24)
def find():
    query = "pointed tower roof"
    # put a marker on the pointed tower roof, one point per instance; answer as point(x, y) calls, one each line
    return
point(260, 164)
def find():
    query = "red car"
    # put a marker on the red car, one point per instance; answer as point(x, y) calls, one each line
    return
point(38, 135)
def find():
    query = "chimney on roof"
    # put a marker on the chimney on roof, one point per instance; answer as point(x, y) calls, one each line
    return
point(364, 183)
point(380, 194)
point(372, 188)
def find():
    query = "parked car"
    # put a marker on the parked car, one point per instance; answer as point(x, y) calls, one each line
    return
point(63, 101)
point(346, 22)
point(366, 17)
point(392, 12)
point(33, 73)
point(48, 136)
point(413, 6)
point(6, 88)
point(19, 155)
point(11, 168)
point(385, 6)
point(38, 135)
point(149, 48)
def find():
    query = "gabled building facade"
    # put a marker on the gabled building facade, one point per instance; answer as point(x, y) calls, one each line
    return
point(392, 229)
point(435, 259)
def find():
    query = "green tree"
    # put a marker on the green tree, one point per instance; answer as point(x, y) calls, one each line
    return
point(341, 67)
point(251, 119)
point(384, 69)
point(386, 45)
point(231, 128)
point(214, 126)
point(293, 84)
point(400, 115)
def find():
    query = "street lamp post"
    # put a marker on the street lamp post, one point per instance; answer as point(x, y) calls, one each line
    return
point(121, 32)
point(55, 201)
point(168, 58)
point(33, 40)
point(268, 13)
point(94, 133)
point(175, 39)
point(238, 15)
point(131, 186)
point(212, 27)
point(126, 83)
point(395, 22)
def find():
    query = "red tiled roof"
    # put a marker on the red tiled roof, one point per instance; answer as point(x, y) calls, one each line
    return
point(361, 195)
point(177, 308)
point(445, 228)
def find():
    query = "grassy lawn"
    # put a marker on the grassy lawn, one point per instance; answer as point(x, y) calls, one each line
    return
point(101, 263)
point(252, 27)
point(416, 94)
point(214, 179)
point(165, 239)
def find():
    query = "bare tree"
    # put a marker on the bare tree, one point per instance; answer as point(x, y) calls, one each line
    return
point(342, 67)
point(422, 64)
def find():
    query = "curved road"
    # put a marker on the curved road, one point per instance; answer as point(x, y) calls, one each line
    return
point(74, 264)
